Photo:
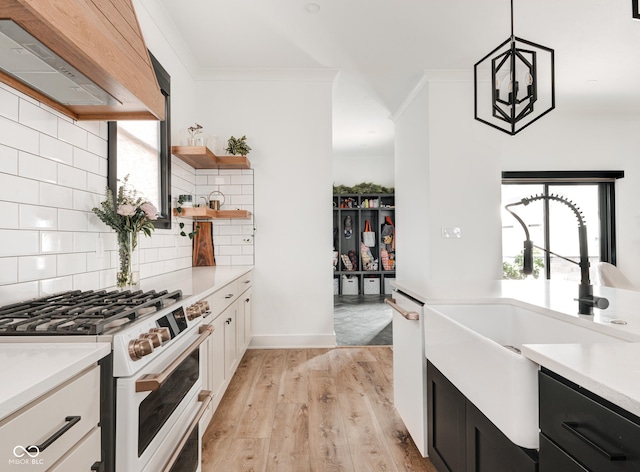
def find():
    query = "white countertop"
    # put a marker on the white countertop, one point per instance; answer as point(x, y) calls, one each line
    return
point(195, 282)
point(610, 370)
point(30, 370)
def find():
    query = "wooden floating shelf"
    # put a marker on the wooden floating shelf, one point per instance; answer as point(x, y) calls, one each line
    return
point(201, 157)
point(208, 213)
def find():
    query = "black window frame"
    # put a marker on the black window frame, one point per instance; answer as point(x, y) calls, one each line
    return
point(605, 179)
point(164, 218)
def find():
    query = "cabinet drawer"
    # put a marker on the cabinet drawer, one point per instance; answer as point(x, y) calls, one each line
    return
point(553, 458)
point(225, 297)
point(82, 456)
point(598, 437)
point(51, 422)
point(245, 281)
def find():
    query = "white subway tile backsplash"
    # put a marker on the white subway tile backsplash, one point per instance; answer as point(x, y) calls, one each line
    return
point(85, 200)
point(18, 242)
point(69, 264)
point(36, 268)
point(38, 217)
point(242, 179)
point(237, 200)
point(9, 104)
point(71, 133)
point(93, 127)
point(8, 160)
point(57, 285)
point(85, 242)
point(37, 168)
point(219, 180)
point(72, 220)
point(72, 177)
point(96, 184)
point(56, 241)
point(85, 160)
point(88, 281)
point(97, 145)
point(55, 196)
point(38, 118)
point(14, 293)
point(18, 136)
point(98, 262)
point(56, 150)
point(104, 130)
point(8, 270)
point(53, 170)
point(229, 250)
point(10, 215)
point(242, 260)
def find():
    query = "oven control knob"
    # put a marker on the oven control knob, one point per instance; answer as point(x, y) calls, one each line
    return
point(138, 348)
point(164, 333)
point(155, 338)
point(193, 311)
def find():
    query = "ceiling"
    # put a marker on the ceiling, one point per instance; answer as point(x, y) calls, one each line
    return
point(383, 47)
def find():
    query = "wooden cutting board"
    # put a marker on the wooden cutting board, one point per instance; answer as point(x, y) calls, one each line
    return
point(203, 245)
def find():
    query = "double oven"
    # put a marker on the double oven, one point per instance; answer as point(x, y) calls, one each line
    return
point(152, 397)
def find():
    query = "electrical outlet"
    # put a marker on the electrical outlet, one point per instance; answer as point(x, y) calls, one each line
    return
point(451, 233)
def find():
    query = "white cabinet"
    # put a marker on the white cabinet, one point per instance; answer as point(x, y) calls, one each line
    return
point(409, 367)
point(62, 425)
point(244, 328)
point(230, 316)
point(230, 354)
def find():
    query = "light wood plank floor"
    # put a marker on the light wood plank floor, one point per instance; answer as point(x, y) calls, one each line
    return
point(311, 410)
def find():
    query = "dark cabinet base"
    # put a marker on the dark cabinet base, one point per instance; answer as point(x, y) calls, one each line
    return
point(462, 439)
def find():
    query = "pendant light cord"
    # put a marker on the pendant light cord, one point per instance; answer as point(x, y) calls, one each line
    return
point(512, 35)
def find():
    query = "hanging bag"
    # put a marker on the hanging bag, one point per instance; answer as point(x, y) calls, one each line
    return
point(368, 236)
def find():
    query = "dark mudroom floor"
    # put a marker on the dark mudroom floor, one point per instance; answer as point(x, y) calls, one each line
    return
point(362, 320)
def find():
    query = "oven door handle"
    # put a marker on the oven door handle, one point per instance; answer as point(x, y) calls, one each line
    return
point(152, 382)
point(205, 397)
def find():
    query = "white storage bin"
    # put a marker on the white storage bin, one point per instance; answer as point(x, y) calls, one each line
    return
point(349, 285)
point(336, 286)
point(371, 286)
point(388, 289)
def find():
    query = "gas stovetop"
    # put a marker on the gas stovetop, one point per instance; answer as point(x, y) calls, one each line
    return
point(82, 312)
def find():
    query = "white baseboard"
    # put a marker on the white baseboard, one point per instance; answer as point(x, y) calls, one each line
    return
point(293, 341)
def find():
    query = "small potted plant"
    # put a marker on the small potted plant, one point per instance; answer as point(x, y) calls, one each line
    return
point(238, 146)
point(194, 131)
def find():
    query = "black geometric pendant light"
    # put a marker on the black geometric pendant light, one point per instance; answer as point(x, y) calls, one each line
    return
point(514, 84)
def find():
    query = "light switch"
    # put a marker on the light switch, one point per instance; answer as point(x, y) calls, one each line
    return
point(451, 233)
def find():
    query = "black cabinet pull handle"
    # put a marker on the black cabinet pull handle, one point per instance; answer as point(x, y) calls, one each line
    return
point(71, 420)
point(615, 456)
point(229, 296)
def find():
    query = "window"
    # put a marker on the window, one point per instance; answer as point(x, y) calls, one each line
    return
point(142, 150)
point(553, 225)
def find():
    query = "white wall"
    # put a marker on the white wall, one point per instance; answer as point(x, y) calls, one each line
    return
point(447, 176)
point(348, 170)
point(288, 125)
point(460, 160)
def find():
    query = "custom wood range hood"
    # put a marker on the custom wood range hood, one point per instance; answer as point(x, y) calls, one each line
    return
point(86, 59)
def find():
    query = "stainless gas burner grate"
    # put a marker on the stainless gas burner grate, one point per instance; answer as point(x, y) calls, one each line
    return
point(81, 312)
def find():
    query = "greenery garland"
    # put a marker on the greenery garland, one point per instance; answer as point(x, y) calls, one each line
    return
point(362, 188)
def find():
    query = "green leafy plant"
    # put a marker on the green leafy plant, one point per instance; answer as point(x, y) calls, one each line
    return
point(362, 188)
point(238, 146)
point(181, 223)
point(513, 271)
